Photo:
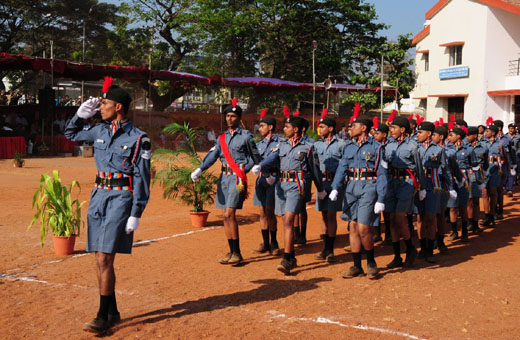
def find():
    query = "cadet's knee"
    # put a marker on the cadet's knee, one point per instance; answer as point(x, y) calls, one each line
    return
point(229, 214)
point(104, 261)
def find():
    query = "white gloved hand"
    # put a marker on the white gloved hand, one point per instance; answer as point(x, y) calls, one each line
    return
point(270, 180)
point(333, 196)
point(88, 108)
point(131, 224)
point(453, 194)
point(514, 166)
point(322, 194)
point(476, 168)
point(422, 195)
point(256, 169)
point(379, 208)
point(481, 186)
point(513, 172)
point(196, 174)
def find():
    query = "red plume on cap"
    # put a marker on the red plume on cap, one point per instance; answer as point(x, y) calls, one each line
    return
point(392, 116)
point(420, 120)
point(262, 114)
point(296, 113)
point(376, 122)
point(436, 124)
point(452, 117)
point(441, 121)
point(357, 109)
point(450, 126)
point(465, 129)
point(286, 112)
point(417, 117)
point(489, 121)
point(234, 102)
point(324, 113)
point(410, 117)
point(107, 83)
point(352, 120)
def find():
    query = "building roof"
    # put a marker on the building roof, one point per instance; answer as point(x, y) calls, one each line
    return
point(512, 6)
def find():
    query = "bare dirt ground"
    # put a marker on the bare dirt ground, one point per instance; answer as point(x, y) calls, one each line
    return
point(172, 286)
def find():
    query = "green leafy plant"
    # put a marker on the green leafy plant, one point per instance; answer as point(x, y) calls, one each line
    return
point(55, 208)
point(176, 179)
point(313, 134)
point(18, 158)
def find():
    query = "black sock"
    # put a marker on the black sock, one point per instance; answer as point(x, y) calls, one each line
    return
point(454, 226)
point(464, 227)
point(237, 246)
point(430, 246)
point(397, 249)
point(265, 237)
point(378, 230)
point(370, 256)
point(322, 236)
point(388, 233)
point(112, 309)
point(273, 237)
point(293, 255)
point(332, 239)
point(231, 245)
point(440, 240)
point(325, 242)
point(409, 244)
point(104, 304)
point(357, 259)
point(303, 232)
point(424, 245)
point(287, 256)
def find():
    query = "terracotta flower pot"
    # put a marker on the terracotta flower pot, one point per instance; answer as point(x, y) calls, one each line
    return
point(18, 164)
point(64, 245)
point(199, 218)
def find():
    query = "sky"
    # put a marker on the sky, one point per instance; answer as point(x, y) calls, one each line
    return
point(403, 16)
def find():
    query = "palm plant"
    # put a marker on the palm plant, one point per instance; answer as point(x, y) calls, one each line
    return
point(175, 177)
point(55, 208)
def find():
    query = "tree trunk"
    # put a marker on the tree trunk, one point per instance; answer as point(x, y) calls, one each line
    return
point(161, 102)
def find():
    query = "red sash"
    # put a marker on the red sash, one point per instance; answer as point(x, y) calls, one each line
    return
point(241, 175)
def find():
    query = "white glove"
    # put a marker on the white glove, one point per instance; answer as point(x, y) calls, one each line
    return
point(379, 208)
point(256, 169)
point(88, 108)
point(333, 196)
point(453, 194)
point(514, 166)
point(422, 195)
point(270, 180)
point(461, 184)
point(481, 186)
point(513, 172)
point(476, 168)
point(196, 174)
point(322, 194)
point(131, 224)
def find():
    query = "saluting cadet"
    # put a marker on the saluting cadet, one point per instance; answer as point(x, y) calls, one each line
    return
point(381, 136)
point(294, 158)
point(477, 179)
point(364, 167)
point(122, 154)
point(237, 151)
point(265, 186)
point(434, 164)
point(468, 163)
point(405, 173)
point(329, 149)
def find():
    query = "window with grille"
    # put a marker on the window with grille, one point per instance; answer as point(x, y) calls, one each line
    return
point(456, 55)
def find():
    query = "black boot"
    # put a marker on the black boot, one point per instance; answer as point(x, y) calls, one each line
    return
point(464, 230)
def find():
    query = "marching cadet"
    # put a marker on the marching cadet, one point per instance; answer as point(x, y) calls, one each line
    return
point(468, 163)
point(364, 167)
point(381, 136)
point(477, 179)
point(294, 158)
point(122, 154)
point(237, 151)
point(405, 173)
point(434, 163)
point(329, 149)
point(265, 186)
point(508, 166)
point(439, 136)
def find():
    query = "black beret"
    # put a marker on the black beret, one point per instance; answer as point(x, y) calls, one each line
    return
point(426, 126)
point(365, 121)
point(269, 120)
point(401, 122)
point(382, 127)
point(478, 127)
point(472, 131)
point(237, 110)
point(296, 121)
point(511, 125)
point(305, 123)
point(498, 123)
point(119, 95)
point(441, 130)
point(412, 121)
point(459, 131)
point(461, 122)
point(493, 127)
point(328, 121)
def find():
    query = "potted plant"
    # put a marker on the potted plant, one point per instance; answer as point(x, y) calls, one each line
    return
point(175, 176)
point(57, 212)
point(18, 160)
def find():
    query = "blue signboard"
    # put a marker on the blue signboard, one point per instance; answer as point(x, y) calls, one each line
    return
point(454, 72)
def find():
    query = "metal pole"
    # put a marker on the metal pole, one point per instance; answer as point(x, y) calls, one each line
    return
point(382, 75)
point(53, 104)
point(83, 60)
point(314, 45)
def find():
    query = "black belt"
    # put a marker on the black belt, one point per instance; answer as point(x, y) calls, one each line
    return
point(361, 174)
point(288, 175)
point(113, 182)
point(399, 172)
point(328, 176)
